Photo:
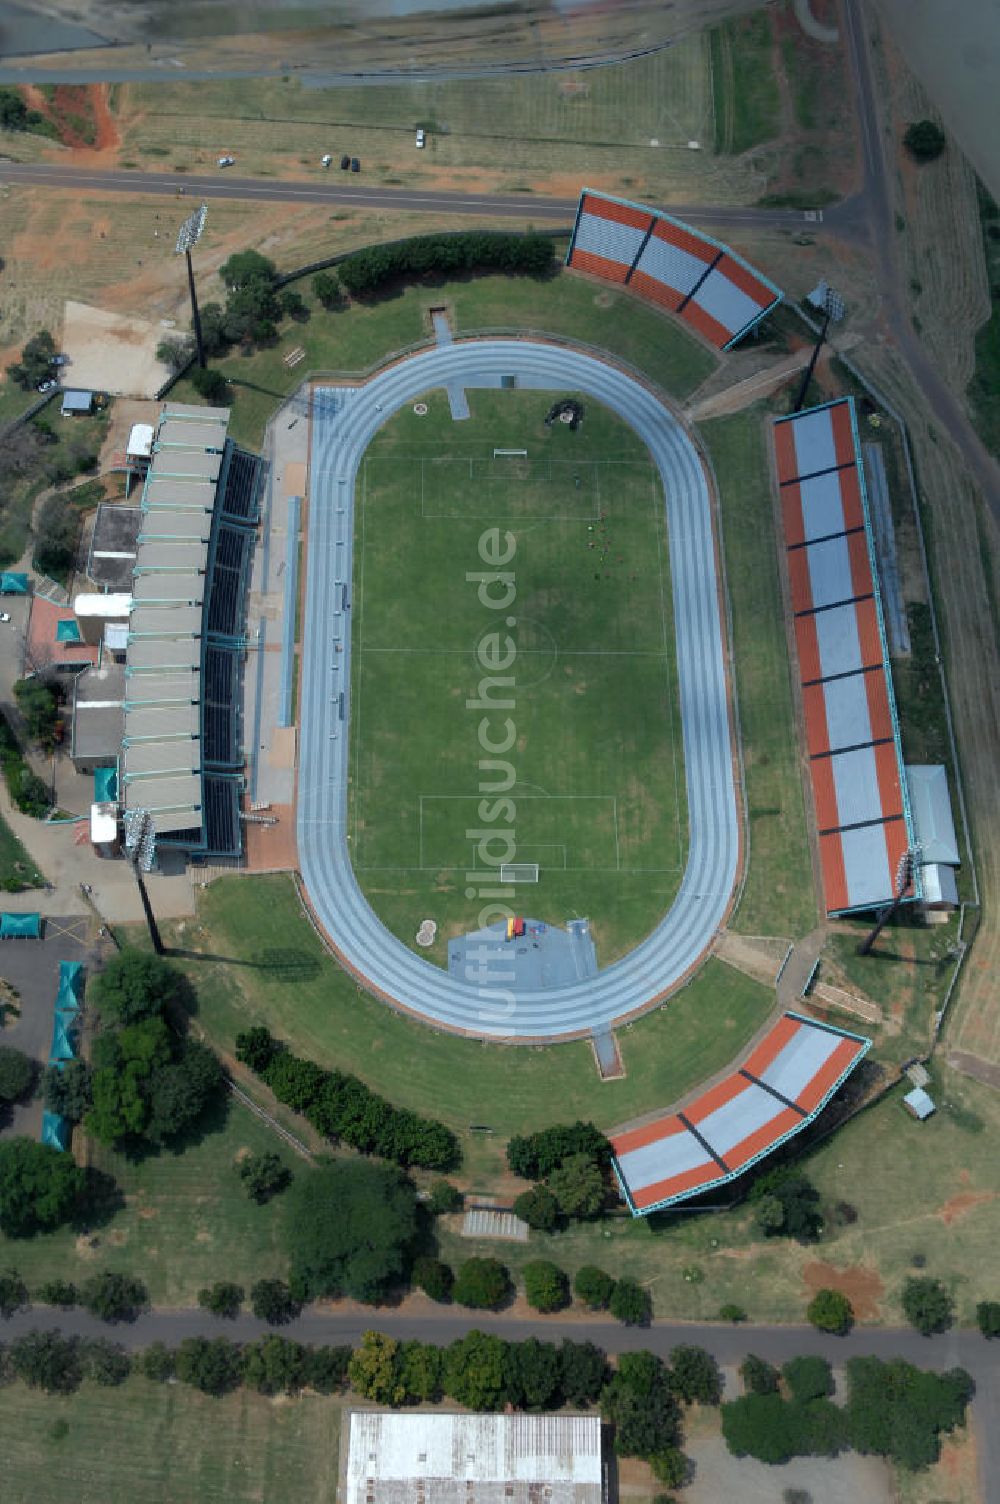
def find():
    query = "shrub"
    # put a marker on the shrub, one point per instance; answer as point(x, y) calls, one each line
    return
point(434, 1278)
point(924, 140)
point(263, 1175)
point(17, 1074)
point(210, 384)
point(222, 1298)
point(256, 1048)
point(482, 1284)
point(988, 1317)
point(534, 1156)
point(808, 1378)
point(437, 255)
point(831, 1311)
point(927, 1305)
point(67, 1091)
point(538, 1207)
point(39, 706)
point(733, 1313)
point(630, 1303)
point(786, 1204)
point(593, 1287)
point(327, 290)
point(545, 1286)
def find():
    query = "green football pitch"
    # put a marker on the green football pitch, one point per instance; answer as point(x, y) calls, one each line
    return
point(591, 717)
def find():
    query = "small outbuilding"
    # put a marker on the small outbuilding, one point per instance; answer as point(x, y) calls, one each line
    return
point(77, 404)
point(919, 1103)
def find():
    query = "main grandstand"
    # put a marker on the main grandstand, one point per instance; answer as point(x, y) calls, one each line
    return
point(181, 753)
point(852, 732)
point(704, 283)
point(785, 1081)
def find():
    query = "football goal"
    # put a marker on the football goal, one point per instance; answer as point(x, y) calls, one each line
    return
point(519, 872)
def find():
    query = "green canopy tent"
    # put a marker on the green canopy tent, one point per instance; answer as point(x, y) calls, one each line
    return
point(20, 926)
point(13, 584)
point(63, 1047)
point(105, 785)
point(70, 987)
point(55, 1130)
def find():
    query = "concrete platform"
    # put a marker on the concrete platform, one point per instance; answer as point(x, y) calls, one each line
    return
point(545, 956)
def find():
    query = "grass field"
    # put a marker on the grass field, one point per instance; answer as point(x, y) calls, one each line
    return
point(149, 1443)
point(747, 106)
point(984, 388)
point(353, 339)
point(186, 1219)
point(778, 897)
point(598, 798)
point(281, 975)
point(15, 863)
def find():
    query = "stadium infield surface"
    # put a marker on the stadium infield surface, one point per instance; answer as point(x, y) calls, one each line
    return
point(599, 800)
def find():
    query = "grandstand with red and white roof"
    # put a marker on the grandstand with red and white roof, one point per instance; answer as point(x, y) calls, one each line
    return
point(852, 733)
point(785, 1081)
point(703, 282)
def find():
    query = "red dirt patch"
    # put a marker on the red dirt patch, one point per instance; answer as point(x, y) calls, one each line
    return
point(962, 1204)
point(863, 1287)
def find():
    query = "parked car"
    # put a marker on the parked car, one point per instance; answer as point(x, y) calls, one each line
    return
point(59, 360)
point(4, 616)
point(46, 386)
point(325, 160)
point(345, 162)
point(226, 162)
point(355, 164)
point(421, 139)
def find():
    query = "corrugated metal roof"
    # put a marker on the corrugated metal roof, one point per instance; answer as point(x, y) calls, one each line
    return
point(162, 722)
point(148, 654)
point(162, 689)
point(932, 819)
point(171, 525)
point(162, 758)
point(181, 793)
point(163, 621)
point(159, 555)
point(171, 588)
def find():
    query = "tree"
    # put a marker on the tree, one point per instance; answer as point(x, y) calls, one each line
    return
point(13, 111)
point(759, 1376)
point(433, 1277)
point(13, 1292)
point(157, 1363)
point(927, 1305)
point(831, 1311)
point(213, 328)
point(222, 1298)
point(179, 1093)
point(534, 1374)
point(39, 1187)
point(545, 1286)
point(420, 1369)
point(924, 140)
point(272, 1301)
point(210, 383)
point(297, 1083)
point(639, 1403)
point(214, 1367)
point(896, 1411)
point(578, 1186)
point(325, 1368)
point(593, 1287)
point(294, 306)
point(536, 1155)
point(444, 1197)
point(374, 1370)
point(113, 1297)
point(349, 1229)
point(274, 1365)
point(256, 1048)
point(39, 706)
point(105, 1362)
point(808, 1378)
point(538, 1207)
point(786, 1204)
point(263, 1175)
point(66, 1090)
point(584, 1371)
point(47, 1360)
point(136, 985)
point(57, 533)
point(474, 1371)
point(988, 1317)
point(630, 1303)
point(670, 1467)
point(761, 1426)
point(175, 354)
point(17, 1074)
point(36, 361)
point(482, 1283)
point(57, 1292)
point(694, 1376)
point(327, 290)
point(125, 1060)
point(245, 268)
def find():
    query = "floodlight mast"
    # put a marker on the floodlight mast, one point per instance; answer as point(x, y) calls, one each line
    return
point(832, 304)
point(187, 238)
point(908, 863)
point(140, 848)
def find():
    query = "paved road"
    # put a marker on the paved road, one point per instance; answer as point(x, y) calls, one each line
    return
point(487, 1003)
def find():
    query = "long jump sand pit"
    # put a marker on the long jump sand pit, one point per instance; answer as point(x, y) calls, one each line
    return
point(112, 352)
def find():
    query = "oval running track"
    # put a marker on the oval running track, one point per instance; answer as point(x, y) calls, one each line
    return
point(344, 422)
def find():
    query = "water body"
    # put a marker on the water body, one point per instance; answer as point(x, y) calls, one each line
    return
point(24, 32)
point(953, 46)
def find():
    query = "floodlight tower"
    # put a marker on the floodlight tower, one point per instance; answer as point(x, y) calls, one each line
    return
point(831, 305)
point(187, 238)
point(908, 864)
point(140, 848)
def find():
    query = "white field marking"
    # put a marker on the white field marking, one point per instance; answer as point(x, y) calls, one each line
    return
point(537, 652)
point(659, 530)
point(530, 845)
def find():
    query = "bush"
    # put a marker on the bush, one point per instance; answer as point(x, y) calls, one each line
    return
point(538, 1207)
point(694, 1376)
point(39, 705)
point(535, 1155)
point(670, 1467)
point(483, 1284)
point(175, 354)
point(434, 1278)
point(17, 1074)
point(630, 1303)
point(263, 1175)
point(222, 1299)
point(546, 1287)
point(13, 1292)
point(759, 1376)
point(294, 306)
point(327, 290)
point(808, 1378)
point(831, 1311)
point(272, 1301)
point(210, 384)
point(593, 1287)
point(988, 1317)
point(256, 1048)
point(113, 1297)
point(927, 1305)
point(924, 140)
point(732, 1313)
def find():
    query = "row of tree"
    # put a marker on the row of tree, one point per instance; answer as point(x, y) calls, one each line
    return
point(365, 271)
point(343, 1108)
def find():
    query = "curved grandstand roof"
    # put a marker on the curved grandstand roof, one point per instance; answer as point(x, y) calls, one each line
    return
point(690, 274)
point(784, 1082)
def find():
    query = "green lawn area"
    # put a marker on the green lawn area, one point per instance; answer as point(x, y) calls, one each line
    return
point(16, 865)
point(149, 1443)
point(778, 898)
point(186, 1221)
point(282, 976)
point(595, 776)
point(354, 338)
point(744, 87)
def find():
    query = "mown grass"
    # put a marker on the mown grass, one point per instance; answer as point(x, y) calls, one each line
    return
point(148, 1443)
point(744, 89)
point(17, 870)
point(598, 799)
point(281, 975)
point(354, 338)
point(778, 897)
